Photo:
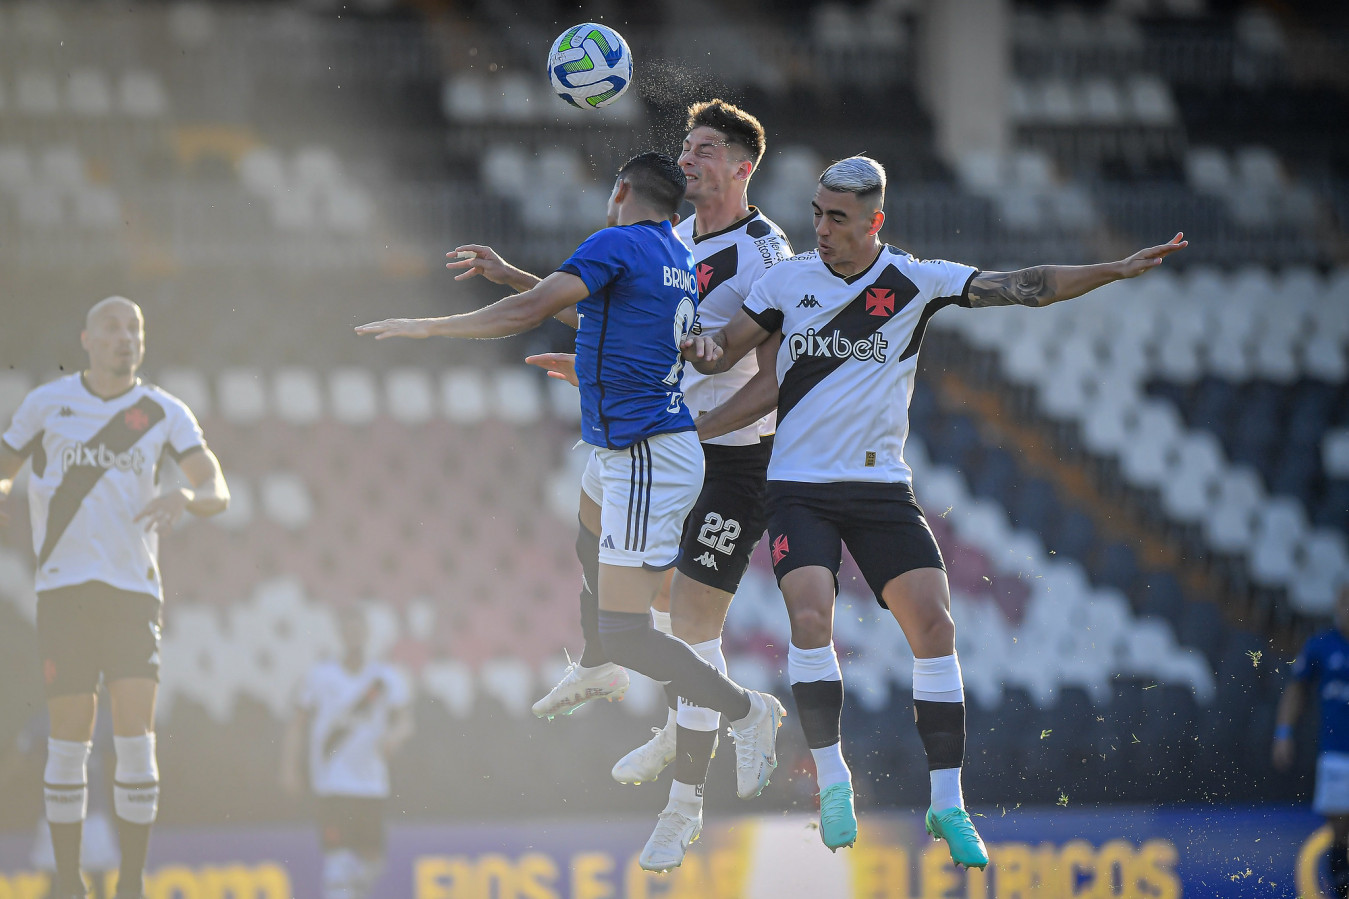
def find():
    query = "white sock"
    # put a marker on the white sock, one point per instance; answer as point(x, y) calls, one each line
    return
point(66, 794)
point(946, 789)
point(136, 781)
point(830, 768)
point(686, 798)
point(695, 717)
point(938, 680)
point(661, 622)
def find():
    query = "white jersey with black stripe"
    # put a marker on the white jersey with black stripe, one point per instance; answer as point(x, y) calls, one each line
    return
point(95, 467)
point(351, 712)
point(848, 359)
point(728, 263)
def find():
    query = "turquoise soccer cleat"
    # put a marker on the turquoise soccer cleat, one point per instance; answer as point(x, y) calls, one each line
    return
point(838, 821)
point(954, 826)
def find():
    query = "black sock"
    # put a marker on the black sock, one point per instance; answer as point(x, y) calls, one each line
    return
point(693, 754)
point(672, 698)
point(819, 707)
point(66, 849)
point(1339, 870)
point(135, 842)
point(941, 725)
point(588, 551)
point(631, 641)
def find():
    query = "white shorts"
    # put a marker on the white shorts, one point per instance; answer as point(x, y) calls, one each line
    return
point(645, 492)
point(1332, 784)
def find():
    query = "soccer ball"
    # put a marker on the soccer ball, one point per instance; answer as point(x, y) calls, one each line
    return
point(590, 66)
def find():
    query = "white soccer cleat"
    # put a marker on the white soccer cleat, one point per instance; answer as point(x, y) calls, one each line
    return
point(647, 761)
point(756, 744)
point(670, 840)
point(580, 685)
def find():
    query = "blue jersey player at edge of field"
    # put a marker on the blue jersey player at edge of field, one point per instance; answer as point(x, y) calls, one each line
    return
point(642, 295)
point(1323, 665)
point(645, 469)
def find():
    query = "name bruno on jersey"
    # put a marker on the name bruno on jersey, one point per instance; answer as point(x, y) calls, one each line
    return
point(680, 279)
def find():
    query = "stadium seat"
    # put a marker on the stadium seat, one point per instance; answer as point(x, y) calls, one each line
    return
point(354, 397)
point(98, 208)
point(36, 94)
point(464, 394)
point(297, 396)
point(88, 93)
point(241, 395)
point(189, 385)
point(410, 396)
point(141, 95)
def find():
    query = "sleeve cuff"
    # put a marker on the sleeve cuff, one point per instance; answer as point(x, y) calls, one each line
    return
point(769, 319)
point(573, 270)
point(178, 456)
point(964, 298)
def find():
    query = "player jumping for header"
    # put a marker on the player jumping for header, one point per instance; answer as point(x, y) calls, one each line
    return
point(845, 372)
point(635, 294)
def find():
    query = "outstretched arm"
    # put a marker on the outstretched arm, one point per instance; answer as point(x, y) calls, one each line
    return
point(1041, 285)
point(513, 315)
point(715, 353)
point(748, 404)
point(477, 259)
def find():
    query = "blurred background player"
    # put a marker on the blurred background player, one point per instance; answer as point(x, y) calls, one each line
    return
point(845, 372)
point(96, 440)
point(1324, 664)
point(631, 283)
point(351, 717)
point(733, 244)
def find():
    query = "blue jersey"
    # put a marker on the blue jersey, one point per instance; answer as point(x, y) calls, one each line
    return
point(643, 298)
point(1325, 660)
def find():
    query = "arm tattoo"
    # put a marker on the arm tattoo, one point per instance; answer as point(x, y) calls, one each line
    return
point(1025, 287)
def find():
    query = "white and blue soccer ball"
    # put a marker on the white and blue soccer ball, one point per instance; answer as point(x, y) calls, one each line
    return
point(590, 66)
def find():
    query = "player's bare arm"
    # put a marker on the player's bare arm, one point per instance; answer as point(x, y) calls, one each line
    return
point(10, 463)
point(208, 495)
point(750, 403)
point(715, 353)
point(477, 259)
point(1041, 285)
point(513, 315)
point(1293, 701)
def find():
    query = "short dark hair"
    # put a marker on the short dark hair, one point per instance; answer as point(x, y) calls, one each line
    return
point(740, 128)
point(656, 178)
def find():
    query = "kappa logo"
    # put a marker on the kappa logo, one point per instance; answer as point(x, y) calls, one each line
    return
point(780, 549)
point(66, 412)
point(880, 301)
point(707, 560)
point(705, 273)
point(808, 302)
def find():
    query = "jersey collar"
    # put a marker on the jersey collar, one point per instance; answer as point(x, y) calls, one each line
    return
point(108, 399)
point(739, 223)
point(853, 279)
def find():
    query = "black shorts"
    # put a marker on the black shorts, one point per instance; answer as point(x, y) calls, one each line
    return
point(352, 822)
point(882, 524)
point(729, 517)
point(93, 628)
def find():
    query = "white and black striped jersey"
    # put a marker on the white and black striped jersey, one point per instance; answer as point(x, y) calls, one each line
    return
point(95, 467)
point(848, 358)
point(351, 712)
point(728, 263)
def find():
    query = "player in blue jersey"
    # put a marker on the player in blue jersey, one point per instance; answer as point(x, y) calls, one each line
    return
point(1324, 661)
point(635, 297)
